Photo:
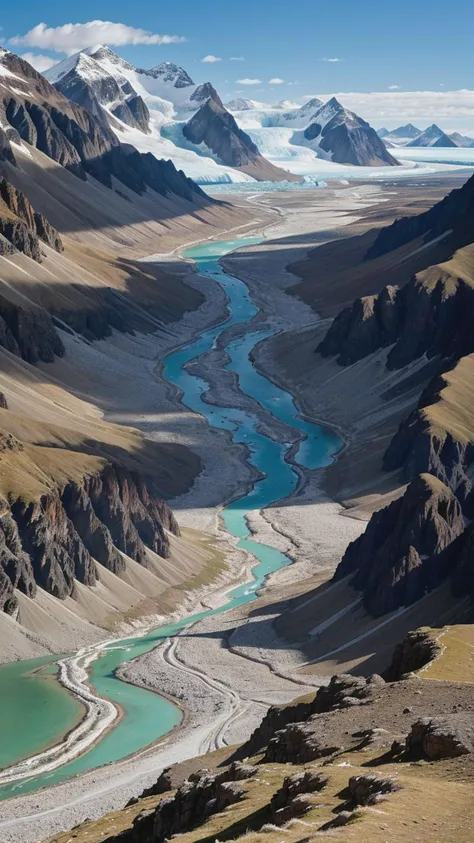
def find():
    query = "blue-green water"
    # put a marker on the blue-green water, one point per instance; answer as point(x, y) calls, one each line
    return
point(146, 715)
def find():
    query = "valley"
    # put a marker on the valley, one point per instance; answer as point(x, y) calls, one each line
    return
point(236, 458)
point(324, 525)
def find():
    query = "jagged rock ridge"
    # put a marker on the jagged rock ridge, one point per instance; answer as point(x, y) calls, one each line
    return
point(55, 540)
point(397, 560)
point(22, 225)
point(430, 315)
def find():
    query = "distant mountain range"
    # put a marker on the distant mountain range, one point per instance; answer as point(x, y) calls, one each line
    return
point(163, 111)
point(433, 136)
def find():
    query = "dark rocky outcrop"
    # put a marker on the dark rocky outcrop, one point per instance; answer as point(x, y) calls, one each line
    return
point(347, 138)
point(22, 225)
point(29, 333)
point(441, 737)
point(56, 552)
point(417, 649)
point(289, 801)
point(276, 719)
point(54, 540)
point(430, 315)
point(195, 800)
point(370, 789)
point(6, 151)
point(15, 567)
point(342, 691)
point(217, 128)
point(297, 744)
point(397, 560)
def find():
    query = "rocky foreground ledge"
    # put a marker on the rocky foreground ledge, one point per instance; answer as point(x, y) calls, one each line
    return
point(321, 763)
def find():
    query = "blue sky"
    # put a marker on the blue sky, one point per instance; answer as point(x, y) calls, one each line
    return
point(389, 48)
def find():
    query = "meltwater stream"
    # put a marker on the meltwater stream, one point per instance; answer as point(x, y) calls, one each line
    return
point(146, 715)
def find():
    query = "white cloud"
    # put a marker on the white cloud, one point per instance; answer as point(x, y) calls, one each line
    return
point(409, 106)
point(249, 81)
point(39, 62)
point(237, 58)
point(332, 61)
point(210, 59)
point(276, 81)
point(394, 87)
point(72, 37)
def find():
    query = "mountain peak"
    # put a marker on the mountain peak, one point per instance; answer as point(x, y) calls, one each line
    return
point(101, 53)
point(167, 71)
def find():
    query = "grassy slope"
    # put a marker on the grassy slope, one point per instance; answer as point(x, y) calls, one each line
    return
point(434, 802)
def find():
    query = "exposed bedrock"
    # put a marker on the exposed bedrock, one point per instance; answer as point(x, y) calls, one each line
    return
point(398, 558)
point(6, 151)
point(417, 649)
point(55, 540)
point(29, 333)
point(341, 692)
point(438, 436)
point(21, 207)
point(217, 128)
point(431, 315)
point(194, 801)
point(441, 737)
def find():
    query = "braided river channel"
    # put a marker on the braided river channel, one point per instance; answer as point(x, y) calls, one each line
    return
point(36, 712)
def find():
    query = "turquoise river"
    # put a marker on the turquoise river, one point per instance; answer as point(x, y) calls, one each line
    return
point(34, 710)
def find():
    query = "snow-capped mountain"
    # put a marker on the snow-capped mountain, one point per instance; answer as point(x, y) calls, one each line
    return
point(149, 110)
point(216, 128)
point(463, 141)
point(242, 104)
point(344, 137)
point(163, 111)
point(400, 136)
point(432, 136)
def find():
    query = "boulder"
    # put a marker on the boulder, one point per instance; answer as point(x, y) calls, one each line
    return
point(441, 737)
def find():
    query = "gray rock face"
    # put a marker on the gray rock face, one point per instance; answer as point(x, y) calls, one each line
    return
point(417, 650)
point(348, 138)
point(6, 151)
point(169, 72)
point(370, 789)
point(53, 541)
point(289, 801)
point(214, 126)
point(194, 801)
point(37, 225)
point(28, 333)
point(429, 315)
point(217, 128)
point(397, 559)
point(441, 737)
point(297, 744)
